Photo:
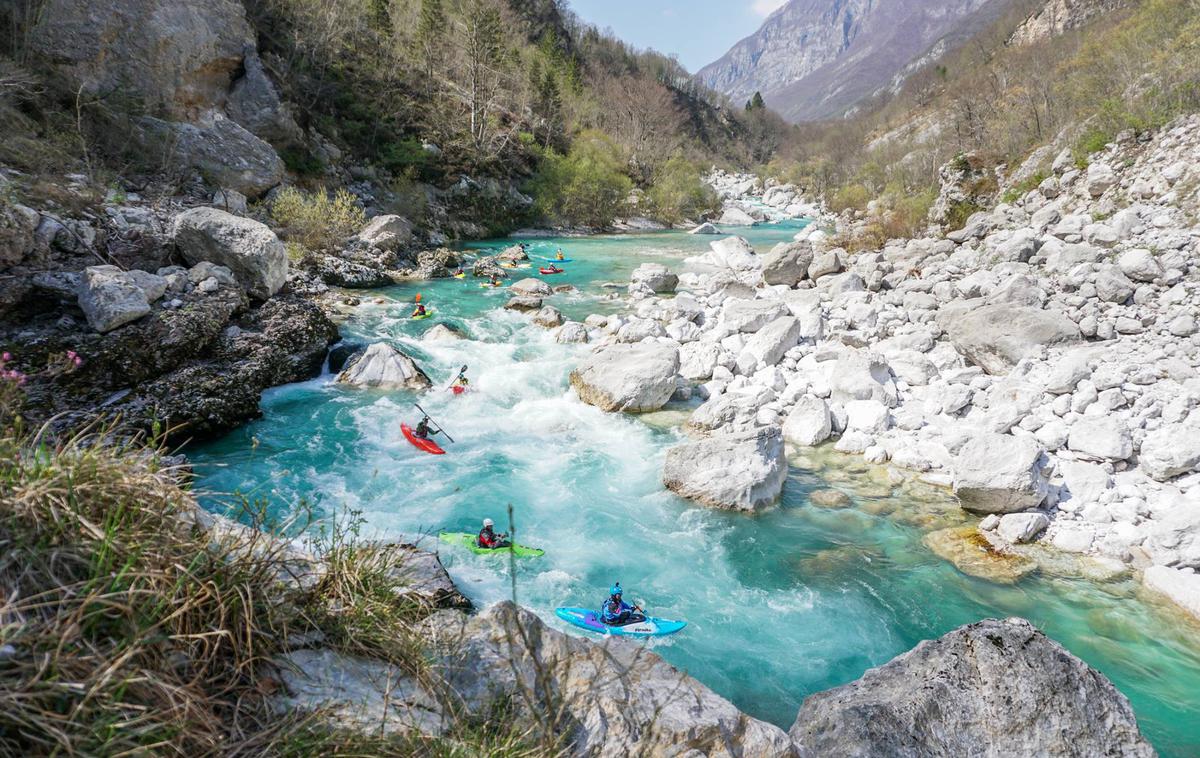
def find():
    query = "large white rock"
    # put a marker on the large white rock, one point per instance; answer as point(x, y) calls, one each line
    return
point(766, 346)
point(1182, 587)
point(530, 287)
point(637, 378)
point(382, 366)
point(705, 228)
point(697, 360)
point(387, 232)
point(999, 473)
point(1171, 451)
point(787, 263)
point(737, 471)
point(244, 246)
point(1140, 265)
point(870, 416)
point(996, 337)
point(736, 217)
point(1103, 437)
point(809, 422)
point(862, 375)
point(656, 276)
point(744, 315)
point(1085, 481)
point(110, 297)
point(1021, 527)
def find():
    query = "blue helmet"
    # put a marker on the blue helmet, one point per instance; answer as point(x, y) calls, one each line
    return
point(615, 589)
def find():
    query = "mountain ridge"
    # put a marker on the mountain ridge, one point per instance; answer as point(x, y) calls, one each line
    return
point(818, 59)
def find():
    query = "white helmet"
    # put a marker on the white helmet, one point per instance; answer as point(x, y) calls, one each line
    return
point(488, 522)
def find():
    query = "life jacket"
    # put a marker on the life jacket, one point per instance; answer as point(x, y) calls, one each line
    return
point(607, 613)
point(487, 538)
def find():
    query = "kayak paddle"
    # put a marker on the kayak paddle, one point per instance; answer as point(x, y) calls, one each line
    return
point(462, 371)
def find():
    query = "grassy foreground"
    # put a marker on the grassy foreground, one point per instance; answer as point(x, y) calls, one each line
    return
point(129, 628)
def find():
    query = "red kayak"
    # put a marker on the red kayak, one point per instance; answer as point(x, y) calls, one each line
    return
point(428, 446)
point(458, 389)
point(548, 271)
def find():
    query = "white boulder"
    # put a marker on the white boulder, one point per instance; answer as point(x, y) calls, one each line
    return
point(809, 422)
point(634, 378)
point(382, 366)
point(743, 471)
point(999, 473)
point(246, 247)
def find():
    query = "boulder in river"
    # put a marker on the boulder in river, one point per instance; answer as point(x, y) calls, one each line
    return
point(787, 263)
point(443, 333)
point(382, 366)
point(572, 332)
point(736, 217)
point(743, 471)
point(994, 688)
point(530, 287)
point(973, 553)
point(808, 423)
point(635, 378)
point(548, 316)
point(246, 247)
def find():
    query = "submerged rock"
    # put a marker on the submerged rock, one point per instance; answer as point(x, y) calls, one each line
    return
point(972, 554)
point(382, 366)
point(994, 688)
point(743, 471)
point(636, 378)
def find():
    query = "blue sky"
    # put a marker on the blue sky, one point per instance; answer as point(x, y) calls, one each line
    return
point(698, 31)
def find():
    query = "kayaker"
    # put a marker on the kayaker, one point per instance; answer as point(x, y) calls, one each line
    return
point(423, 431)
point(495, 280)
point(558, 256)
point(488, 538)
point(461, 381)
point(419, 311)
point(616, 612)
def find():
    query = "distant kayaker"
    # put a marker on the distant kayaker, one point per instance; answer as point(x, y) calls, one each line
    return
point(419, 311)
point(616, 612)
point(459, 385)
point(559, 255)
point(488, 538)
point(423, 431)
point(495, 280)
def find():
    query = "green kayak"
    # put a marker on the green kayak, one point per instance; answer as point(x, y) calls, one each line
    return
point(462, 539)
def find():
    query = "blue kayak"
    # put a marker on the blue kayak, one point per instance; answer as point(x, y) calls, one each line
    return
point(588, 619)
point(558, 260)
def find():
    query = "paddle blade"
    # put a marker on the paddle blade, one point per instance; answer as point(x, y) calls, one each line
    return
point(418, 297)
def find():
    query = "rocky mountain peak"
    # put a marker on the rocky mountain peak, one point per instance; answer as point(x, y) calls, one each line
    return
point(815, 59)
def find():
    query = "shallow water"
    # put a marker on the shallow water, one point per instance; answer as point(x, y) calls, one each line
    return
point(807, 598)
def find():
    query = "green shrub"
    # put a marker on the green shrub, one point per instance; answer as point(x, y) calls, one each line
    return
point(316, 220)
point(301, 161)
point(588, 186)
point(852, 196)
point(679, 192)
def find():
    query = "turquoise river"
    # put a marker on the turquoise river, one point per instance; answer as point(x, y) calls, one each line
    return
point(796, 600)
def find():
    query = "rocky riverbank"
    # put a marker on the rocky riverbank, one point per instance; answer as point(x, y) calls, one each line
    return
point(1042, 361)
point(617, 698)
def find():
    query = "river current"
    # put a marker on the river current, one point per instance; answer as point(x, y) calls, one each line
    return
point(780, 605)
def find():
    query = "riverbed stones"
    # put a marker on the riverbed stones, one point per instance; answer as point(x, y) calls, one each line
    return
point(999, 473)
point(382, 366)
point(572, 332)
point(768, 345)
point(741, 315)
point(742, 472)
point(246, 247)
point(548, 317)
point(523, 304)
point(994, 688)
point(634, 378)
point(862, 375)
point(828, 498)
point(736, 217)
